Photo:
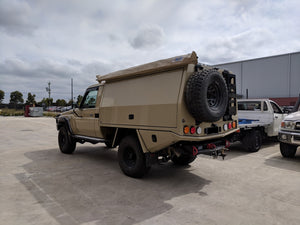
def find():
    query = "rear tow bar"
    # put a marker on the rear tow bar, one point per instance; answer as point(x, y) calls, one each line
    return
point(212, 150)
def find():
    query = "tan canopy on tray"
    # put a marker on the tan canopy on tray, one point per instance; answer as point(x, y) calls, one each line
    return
point(150, 68)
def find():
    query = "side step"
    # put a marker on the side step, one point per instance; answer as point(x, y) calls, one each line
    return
point(81, 139)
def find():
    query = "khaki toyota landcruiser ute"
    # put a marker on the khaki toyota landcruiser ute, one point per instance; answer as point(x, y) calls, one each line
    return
point(171, 109)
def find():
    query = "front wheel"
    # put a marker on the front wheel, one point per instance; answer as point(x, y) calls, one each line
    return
point(131, 158)
point(288, 150)
point(66, 144)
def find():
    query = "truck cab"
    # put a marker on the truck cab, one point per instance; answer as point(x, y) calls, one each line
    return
point(289, 135)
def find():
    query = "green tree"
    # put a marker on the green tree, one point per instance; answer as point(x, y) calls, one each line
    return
point(30, 99)
point(16, 98)
point(61, 102)
point(43, 102)
point(70, 102)
point(2, 94)
point(46, 102)
point(49, 101)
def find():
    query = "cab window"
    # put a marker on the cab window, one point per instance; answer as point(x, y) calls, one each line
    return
point(276, 108)
point(89, 99)
point(249, 106)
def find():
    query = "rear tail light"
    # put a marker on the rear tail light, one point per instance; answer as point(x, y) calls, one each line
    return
point(193, 130)
point(186, 129)
point(198, 130)
point(229, 126)
point(225, 127)
point(233, 124)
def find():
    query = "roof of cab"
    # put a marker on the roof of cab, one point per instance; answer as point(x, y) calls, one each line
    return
point(150, 68)
point(93, 86)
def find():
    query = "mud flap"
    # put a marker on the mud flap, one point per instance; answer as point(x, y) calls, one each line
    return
point(145, 150)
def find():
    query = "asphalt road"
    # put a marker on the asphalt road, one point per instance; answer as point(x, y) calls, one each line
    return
point(39, 185)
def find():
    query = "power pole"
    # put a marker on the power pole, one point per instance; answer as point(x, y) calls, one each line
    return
point(48, 89)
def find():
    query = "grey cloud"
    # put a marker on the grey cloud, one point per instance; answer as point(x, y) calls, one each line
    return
point(97, 68)
point(44, 68)
point(74, 62)
point(24, 76)
point(148, 37)
point(237, 47)
point(15, 18)
point(114, 37)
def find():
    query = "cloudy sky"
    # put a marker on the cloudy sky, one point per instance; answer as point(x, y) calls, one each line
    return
point(56, 40)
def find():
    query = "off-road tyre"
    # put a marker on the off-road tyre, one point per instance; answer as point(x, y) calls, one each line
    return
point(66, 143)
point(252, 140)
point(206, 95)
point(183, 159)
point(132, 160)
point(288, 150)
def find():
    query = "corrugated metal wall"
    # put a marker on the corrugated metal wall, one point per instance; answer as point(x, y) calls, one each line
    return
point(270, 77)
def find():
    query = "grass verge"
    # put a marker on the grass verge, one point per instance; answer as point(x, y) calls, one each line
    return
point(11, 112)
point(20, 112)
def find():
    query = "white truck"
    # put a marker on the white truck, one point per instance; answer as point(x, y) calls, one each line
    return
point(258, 118)
point(289, 133)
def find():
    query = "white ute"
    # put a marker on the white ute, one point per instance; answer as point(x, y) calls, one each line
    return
point(289, 135)
point(258, 118)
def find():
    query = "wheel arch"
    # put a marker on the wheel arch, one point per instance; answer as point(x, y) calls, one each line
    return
point(63, 121)
point(121, 133)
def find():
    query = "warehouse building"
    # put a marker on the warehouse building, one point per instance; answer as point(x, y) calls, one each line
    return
point(275, 77)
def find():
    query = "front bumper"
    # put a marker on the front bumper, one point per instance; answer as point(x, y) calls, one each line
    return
point(289, 137)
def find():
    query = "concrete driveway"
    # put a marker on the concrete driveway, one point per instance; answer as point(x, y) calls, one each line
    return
point(39, 185)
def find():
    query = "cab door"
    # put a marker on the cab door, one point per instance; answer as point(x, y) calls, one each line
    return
point(278, 117)
point(88, 113)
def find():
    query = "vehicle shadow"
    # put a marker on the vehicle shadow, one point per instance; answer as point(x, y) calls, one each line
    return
point(237, 149)
point(278, 161)
point(88, 186)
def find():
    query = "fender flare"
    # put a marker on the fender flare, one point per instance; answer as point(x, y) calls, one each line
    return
point(63, 121)
point(120, 133)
